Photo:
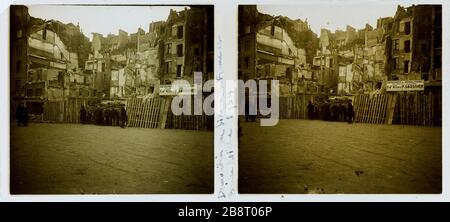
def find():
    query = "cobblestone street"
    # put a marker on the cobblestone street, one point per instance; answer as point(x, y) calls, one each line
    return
point(91, 159)
point(304, 156)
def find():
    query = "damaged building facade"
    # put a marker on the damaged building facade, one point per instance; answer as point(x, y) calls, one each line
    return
point(267, 52)
point(43, 68)
point(136, 64)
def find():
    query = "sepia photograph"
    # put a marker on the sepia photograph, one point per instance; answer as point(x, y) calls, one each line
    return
point(104, 99)
point(355, 92)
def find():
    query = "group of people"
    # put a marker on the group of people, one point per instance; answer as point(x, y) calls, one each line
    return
point(332, 110)
point(105, 114)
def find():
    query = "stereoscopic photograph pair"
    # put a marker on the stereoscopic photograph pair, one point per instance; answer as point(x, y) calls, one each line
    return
point(117, 99)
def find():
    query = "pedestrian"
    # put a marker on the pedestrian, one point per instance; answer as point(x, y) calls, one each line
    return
point(82, 115)
point(350, 112)
point(115, 116)
point(326, 111)
point(341, 112)
point(22, 115)
point(123, 116)
point(98, 115)
point(310, 108)
point(105, 116)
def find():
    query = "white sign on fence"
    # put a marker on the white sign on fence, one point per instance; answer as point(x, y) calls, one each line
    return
point(405, 85)
point(174, 90)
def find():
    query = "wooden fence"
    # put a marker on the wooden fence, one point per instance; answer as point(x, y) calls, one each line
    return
point(295, 107)
point(372, 108)
point(63, 111)
point(145, 113)
point(411, 109)
point(156, 113)
point(419, 109)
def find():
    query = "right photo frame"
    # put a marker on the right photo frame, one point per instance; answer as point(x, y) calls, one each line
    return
point(354, 92)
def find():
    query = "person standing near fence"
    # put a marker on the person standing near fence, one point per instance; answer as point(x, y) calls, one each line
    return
point(310, 108)
point(115, 116)
point(123, 116)
point(82, 115)
point(350, 112)
point(22, 115)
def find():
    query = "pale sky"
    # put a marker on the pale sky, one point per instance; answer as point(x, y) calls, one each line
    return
point(333, 16)
point(103, 19)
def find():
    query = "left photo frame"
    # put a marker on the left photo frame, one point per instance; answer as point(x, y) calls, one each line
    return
point(102, 103)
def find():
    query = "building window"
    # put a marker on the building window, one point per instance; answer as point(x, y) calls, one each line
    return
point(331, 63)
point(179, 70)
point(103, 67)
point(247, 29)
point(406, 66)
point(19, 33)
point(407, 28)
point(437, 61)
point(394, 63)
point(18, 50)
point(396, 45)
point(39, 75)
point(247, 62)
point(168, 48)
point(38, 92)
point(18, 66)
point(180, 32)
point(272, 30)
point(247, 45)
point(17, 84)
point(168, 67)
point(180, 50)
point(150, 89)
point(29, 92)
point(407, 46)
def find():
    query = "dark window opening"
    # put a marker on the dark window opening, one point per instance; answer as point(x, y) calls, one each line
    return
point(394, 63)
point(38, 92)
point(396, 44)
point(103, 67)
point(18, 66)
point(29, 92)
point(407, 46)
point(247, 62)
point(210, 65)
point(179, 70)
point(272, 30)
point(407, 28)
point(437, 61)
point(168, 67)
point(406, 66)
point(17, 84)
point(168, 48)
point(180, 32)
point(18, 50)
point(180, 50)
point(39, 75)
